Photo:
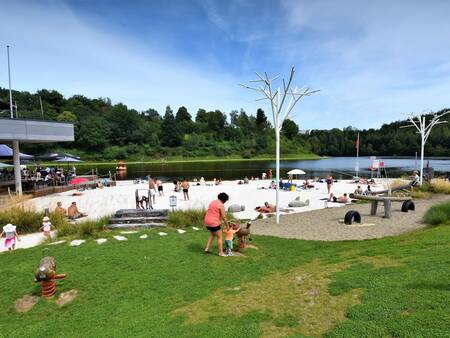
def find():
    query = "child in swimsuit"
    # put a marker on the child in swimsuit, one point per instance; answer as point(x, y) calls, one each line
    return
point(46, 226)
point(229, 234)
point(10, 236)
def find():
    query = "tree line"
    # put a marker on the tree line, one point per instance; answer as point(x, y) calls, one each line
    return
point(106, 131)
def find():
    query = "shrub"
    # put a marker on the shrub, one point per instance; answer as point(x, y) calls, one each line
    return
point(83, 229)
point(438, 214)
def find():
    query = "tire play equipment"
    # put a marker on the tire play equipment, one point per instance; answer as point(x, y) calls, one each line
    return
point(352, 216)
point(408, 205)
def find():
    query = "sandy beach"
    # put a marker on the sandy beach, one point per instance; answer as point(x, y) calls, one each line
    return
point(98, 203)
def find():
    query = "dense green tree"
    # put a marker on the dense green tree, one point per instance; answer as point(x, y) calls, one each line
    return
point(94, 134)
point(170, 135)
point(289, 128)
point(184, 120)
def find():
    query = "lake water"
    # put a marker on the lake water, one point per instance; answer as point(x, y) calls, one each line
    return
point(339, 167)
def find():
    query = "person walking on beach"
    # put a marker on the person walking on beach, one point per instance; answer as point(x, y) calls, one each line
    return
point(159, 185)
point(11, 236)
point(329, 181)
point(185, 186)
point(214, 215)
point(152, 189)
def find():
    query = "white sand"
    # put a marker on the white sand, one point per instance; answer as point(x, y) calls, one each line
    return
point(105, 202)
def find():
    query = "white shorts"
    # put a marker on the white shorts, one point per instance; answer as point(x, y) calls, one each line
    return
point(152, 192)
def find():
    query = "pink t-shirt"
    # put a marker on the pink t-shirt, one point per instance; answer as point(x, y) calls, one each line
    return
point(212, 217)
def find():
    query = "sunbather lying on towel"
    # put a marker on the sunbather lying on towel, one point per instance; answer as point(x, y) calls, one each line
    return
point(341, 199)
point(267, 208)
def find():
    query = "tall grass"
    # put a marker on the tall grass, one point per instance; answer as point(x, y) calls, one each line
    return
point(83, 229)
point(28, 220)
point(438, 214)
point(438, 186)
point(188, 218)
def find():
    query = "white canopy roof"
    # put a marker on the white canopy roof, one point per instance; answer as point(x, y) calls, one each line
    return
point(296, 172)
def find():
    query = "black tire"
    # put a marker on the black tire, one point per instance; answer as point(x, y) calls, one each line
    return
point(351, 216)
point(408, 205)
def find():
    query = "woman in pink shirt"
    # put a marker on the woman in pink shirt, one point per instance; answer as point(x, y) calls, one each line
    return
point(214, 215)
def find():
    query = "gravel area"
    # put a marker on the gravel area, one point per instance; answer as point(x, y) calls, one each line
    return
point(328, 225)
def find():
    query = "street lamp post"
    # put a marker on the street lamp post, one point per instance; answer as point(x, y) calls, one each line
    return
point(279, 115)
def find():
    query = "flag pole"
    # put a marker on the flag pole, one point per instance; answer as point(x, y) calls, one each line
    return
point(357, 157)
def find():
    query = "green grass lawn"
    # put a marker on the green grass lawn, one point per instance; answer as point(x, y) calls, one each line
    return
point(167, 287)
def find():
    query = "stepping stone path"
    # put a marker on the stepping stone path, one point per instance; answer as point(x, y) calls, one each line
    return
point(180, 231)
point(195, 228)
point(143, 236)
point(121, 238)
point(101, 240)
point(162, 233)
point(128, 232)
point(77, 242)
point(57, 242)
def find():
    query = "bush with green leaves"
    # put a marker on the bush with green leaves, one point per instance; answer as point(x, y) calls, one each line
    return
point(28, 221)
point(438, 214)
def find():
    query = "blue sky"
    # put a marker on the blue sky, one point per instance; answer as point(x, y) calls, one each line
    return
point(372, 61)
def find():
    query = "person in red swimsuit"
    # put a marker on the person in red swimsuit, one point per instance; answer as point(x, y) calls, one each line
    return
point(214, 215)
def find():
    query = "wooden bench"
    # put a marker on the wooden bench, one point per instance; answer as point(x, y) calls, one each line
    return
point(387, 202)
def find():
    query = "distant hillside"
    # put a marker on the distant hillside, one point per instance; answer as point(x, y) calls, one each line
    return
point(107, 131)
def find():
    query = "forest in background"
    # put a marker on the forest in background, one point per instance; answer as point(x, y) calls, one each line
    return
point(106, 131)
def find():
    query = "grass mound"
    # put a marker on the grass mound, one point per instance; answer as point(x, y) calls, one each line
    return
point(438, 214)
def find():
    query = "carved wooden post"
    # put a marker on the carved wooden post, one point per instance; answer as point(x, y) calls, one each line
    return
point(387, 208)
point(373, 208)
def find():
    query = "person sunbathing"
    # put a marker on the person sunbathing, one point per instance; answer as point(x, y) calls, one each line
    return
point(307, 185)
point(267, 208)
point(340, 199)
point(358, 190)
point(59, 208)
point(73, 212)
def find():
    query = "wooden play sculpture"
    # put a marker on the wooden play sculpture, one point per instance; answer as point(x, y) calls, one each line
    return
point(387, 201)
point(242, 235)
point(46, 275)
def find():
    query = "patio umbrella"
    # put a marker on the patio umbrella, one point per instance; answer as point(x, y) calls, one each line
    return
point(296, 172)
point(55, 156)
point(5, 165)
point(78, 180)
point(7, 152)
point(67, 159)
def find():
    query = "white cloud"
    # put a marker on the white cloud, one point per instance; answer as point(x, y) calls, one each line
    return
point(52, 48)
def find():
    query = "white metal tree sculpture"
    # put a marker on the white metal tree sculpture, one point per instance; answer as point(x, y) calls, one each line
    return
point(278, 100)
point(424, 129)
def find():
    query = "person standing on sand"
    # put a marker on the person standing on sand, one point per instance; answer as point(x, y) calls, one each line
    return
point(160, 187)
point(329, 182)
point(185, 186)
point(214, 215)
point(152, 189)
point(269, 174)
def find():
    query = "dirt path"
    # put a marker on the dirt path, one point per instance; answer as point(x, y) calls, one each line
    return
point(324, 224)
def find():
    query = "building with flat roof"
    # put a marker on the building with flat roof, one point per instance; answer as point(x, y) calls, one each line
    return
point(18, 130)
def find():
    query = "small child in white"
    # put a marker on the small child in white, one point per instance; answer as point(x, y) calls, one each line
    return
point(46, 226)
point(10, 236)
